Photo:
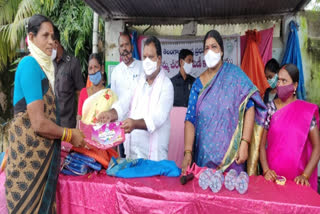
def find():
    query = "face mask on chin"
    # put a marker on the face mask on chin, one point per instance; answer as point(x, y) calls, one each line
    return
point(54, 54)
point(212, 58)
point(149, 66)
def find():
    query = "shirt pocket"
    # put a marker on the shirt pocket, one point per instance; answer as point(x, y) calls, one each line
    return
point(65, 83)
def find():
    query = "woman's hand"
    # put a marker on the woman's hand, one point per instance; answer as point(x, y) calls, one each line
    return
point(186, 162)
point(77, 139)
point(242, 155)
point(128, 125)
point(270, 175)
point(303, 180)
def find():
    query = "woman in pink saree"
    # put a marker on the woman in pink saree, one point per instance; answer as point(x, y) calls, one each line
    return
point(290, 144)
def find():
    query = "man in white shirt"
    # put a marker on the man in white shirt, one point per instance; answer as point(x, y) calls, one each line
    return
point(124, 78)
point(148, 124)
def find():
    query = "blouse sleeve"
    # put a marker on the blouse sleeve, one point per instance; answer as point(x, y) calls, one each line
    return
point(30, 75)
point(193, 99)
point(313, 123)
point(250, 104)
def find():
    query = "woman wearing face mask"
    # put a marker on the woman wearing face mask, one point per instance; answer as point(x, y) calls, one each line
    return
point(96, 98)
point(292, 133)
point(35, 138)
point(222, 107)
point(271, 72)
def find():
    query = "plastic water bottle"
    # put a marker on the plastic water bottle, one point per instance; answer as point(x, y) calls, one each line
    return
point(230, 180)
point(204, 179)
point(216, 181)
point(242, 182)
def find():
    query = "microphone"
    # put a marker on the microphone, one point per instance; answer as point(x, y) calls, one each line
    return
point(185, 178)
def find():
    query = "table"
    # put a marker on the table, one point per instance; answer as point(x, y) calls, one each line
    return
point(99, 193)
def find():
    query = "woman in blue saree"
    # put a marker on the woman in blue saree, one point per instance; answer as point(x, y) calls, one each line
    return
point(224, 111)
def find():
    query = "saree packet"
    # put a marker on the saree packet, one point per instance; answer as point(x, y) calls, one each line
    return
point(78, 164)
point(103, 136)
point(75, 167)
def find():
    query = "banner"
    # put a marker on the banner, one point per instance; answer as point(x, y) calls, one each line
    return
point(171, 48)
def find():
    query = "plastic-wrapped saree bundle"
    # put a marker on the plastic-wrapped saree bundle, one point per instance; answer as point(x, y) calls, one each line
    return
point(78, 164)
point(101, 138)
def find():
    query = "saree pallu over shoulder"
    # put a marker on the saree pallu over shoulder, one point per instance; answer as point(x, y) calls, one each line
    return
point(33, 164)
point(289, 152)
point(97, 103)
point(220, 114)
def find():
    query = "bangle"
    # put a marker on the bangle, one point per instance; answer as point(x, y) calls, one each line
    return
point(305, 176)
point(248, 142)
point(64, 134)
point(187, 151)
point(69, 136)
point(266, 172)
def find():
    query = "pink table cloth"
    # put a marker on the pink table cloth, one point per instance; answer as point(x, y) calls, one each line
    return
point(103, 194)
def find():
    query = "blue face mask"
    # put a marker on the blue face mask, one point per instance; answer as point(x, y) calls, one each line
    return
point(273, 82)
point(95, 78)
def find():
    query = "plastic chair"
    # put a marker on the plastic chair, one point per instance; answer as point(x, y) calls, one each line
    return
point(176, 142)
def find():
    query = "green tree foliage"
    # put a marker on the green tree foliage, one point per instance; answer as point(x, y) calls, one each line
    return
point(317, 5)
point(72, 17)
point(74, 20)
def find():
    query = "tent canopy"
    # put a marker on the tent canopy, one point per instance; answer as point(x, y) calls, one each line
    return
point(203, 11)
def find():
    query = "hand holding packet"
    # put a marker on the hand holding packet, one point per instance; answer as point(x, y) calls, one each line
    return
point(103, 136)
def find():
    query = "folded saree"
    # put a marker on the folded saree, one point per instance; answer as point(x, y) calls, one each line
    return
point(138, 168)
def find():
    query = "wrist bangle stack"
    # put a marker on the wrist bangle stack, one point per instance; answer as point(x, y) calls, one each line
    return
point(305, 176)
point(67, 135)
point(64, 134)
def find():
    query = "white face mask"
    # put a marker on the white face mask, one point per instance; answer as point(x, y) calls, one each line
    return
point(54, 54)
point(187, 67)
point(212, 58)
point(149, 66)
